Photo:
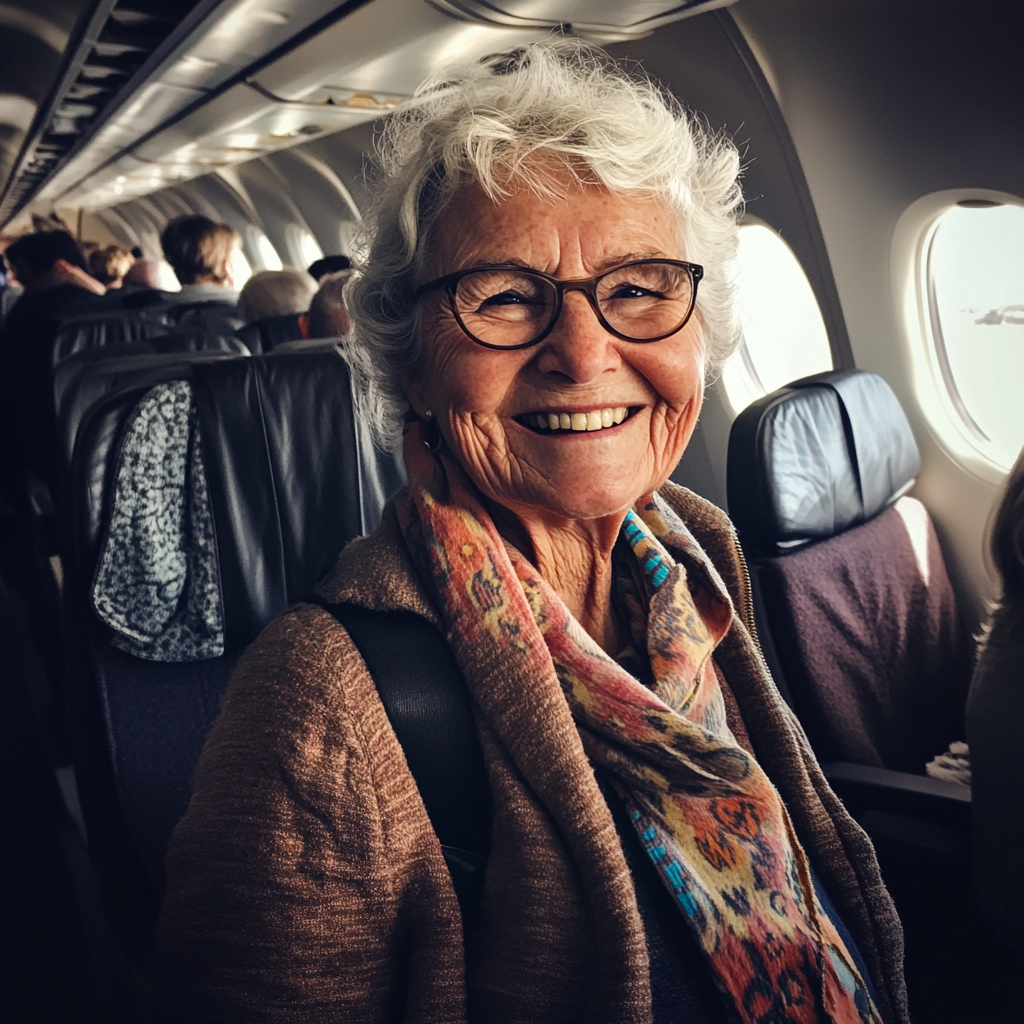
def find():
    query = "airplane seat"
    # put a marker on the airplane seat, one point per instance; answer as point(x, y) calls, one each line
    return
point(83, 331)
point(165, 345)
point(995, 722)
point(266, 334)
point(852, 586)
point(289, 476)
point(213, 316)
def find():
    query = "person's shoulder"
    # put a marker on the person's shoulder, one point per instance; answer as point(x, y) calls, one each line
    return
point(700, 515)
point(303, 657)
point(377, 572)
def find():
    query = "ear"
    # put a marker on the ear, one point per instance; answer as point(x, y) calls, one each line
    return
point(414, 391)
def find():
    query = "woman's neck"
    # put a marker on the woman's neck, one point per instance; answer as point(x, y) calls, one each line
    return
point(575, 558)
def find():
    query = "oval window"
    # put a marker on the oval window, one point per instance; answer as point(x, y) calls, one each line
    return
point(975, 283)
point(267, 253)
point(241, 269)
point(784, 335)
point(309, 248)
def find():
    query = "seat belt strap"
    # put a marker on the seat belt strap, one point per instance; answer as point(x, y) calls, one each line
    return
point(425, 696)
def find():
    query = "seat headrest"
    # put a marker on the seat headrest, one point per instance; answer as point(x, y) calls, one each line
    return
point(103, 328)
point(817, 457)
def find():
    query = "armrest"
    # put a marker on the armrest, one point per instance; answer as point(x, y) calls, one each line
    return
point(866, 788)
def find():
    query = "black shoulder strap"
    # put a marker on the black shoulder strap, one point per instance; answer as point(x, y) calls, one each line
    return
point(425, 697)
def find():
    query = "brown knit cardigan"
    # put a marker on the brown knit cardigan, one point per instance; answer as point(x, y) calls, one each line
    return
point(305, 883)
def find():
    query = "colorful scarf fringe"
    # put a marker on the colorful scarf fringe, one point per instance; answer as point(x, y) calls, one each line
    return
point(707, 815)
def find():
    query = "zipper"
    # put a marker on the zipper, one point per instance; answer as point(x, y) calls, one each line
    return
point(751, 624)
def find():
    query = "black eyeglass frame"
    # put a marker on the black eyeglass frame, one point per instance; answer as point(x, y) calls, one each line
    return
point(588, 286)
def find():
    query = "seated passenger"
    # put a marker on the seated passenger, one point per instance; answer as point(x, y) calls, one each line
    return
point(328, 317)
point(149, 283)
point(51, 268)
point(200, 252)
point(663, 845)
point(320, 268)
point(275, 293)
point(9, 291)
point(110, 265)
point(995, 722)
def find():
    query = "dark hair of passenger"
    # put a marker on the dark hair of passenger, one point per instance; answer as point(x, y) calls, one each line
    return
point(1007, 541)
point(34, 255)
point(199, 249)
point(319, 269)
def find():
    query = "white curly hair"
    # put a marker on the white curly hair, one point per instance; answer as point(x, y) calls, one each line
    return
point(596, 122)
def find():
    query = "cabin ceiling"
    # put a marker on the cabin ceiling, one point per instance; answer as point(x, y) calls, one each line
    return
point(106, 100)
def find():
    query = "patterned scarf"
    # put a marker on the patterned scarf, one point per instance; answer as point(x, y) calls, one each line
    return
point(707, 815)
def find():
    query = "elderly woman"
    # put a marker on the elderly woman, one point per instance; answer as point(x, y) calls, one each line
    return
point(547, 287)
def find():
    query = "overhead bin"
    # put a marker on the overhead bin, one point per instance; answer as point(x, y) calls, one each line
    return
point(599, 21)
point(234, 91)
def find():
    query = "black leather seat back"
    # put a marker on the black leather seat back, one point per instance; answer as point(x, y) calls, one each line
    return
point(292, 477)
point(103, 328)
point(81, 381)
point(266, 334)
point(212, 316)
point(816, 457)
point(283, 467)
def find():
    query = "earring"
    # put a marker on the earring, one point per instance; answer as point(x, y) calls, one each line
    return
point(432, 433)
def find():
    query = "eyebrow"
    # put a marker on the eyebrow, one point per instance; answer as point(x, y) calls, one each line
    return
point(612, 261)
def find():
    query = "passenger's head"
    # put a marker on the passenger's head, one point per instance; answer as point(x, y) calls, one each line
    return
point(552, 159)
point(34, 256)
point(199, 250)
point(110, 265)
point(328, 314)
point(275, 293)
point(1007, 538)
point(146, 274)
point(319, 269)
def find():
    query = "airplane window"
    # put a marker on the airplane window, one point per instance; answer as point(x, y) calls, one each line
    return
point(166, 278)
point(309, 248)
point(784, 336)
point(975, 280)
point(241, 269)
point(267, 253)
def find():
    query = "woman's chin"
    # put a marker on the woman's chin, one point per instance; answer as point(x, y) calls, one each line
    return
point(576, 496)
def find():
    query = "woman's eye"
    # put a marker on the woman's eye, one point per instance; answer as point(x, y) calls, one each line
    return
point(633, 291)
point(503, 299)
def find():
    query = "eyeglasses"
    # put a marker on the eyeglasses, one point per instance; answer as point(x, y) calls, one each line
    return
point(509, 307)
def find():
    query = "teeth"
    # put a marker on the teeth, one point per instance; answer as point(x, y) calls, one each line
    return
point(579, 421)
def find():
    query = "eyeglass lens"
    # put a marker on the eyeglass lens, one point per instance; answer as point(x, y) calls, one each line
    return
point(508, 308)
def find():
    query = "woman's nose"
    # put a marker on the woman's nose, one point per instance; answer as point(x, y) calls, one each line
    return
point(579, 347)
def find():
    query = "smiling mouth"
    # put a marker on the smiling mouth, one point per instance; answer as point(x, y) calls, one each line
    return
point(576, 422)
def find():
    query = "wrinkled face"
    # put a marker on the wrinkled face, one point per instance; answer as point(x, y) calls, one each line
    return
point(487, 402)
